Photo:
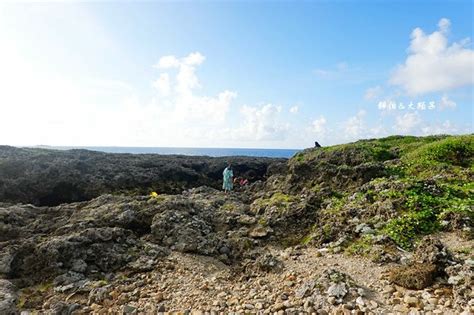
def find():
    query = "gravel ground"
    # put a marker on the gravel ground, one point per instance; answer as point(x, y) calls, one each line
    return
point(185, 283)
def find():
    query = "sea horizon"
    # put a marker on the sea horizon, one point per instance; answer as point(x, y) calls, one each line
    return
point(212, 152)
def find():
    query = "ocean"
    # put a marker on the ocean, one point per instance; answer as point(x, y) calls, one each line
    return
point(215, 152)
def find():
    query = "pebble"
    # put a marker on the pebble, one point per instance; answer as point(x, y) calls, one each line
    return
point(278, 307)
point(388, 289)
point(400, 308)
point(395, 301)
point(433, 301)
point(373, 304)
point(439, 292)
point(360, 301)
point(249, 306)
point(429, 307)
point(426, 295)
point(128, 309)
point(411, 300)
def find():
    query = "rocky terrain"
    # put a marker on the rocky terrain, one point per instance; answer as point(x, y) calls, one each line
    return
point(50, 177)
point(376, 226)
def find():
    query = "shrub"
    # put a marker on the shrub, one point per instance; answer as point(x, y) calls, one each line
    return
point(406, 229)
point(449, 151)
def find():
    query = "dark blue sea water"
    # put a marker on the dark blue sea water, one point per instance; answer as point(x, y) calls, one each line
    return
point(283, 153)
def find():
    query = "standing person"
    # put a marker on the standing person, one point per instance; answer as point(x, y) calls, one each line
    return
point(228, 175)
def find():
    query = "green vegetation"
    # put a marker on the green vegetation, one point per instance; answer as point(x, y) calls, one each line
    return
point(306, 239)
point(100, 283)
point(31, 296)
point(405, 229)
point(463, 250)
point(280, 200)
point(425, 208)
point(372, 150)
point(362, 246)
point(449, 151)
point(427, 187)
point(228, 207)
point(262, 221)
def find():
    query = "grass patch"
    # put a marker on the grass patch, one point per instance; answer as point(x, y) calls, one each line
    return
point(360, 247)
point(406, 229)
point(425, 208)
point(280, 200)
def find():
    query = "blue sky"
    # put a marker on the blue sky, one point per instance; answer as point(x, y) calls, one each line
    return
point(233, 74)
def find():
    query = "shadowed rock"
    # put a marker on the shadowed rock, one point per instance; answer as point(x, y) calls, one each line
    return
point(52, 177)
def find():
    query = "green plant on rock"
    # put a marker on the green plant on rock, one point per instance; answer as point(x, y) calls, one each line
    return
point(22, 299)
point(362, 246)
point(228, 207)
point(306, 239)
point(406, 229)
point(263, 222)
point(444, 155)
point(280, 200)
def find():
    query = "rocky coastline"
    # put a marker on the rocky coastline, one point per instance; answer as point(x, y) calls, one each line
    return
point(382, 226)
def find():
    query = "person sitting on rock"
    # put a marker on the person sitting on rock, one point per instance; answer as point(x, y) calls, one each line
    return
point(228, 175)
point(243, 182)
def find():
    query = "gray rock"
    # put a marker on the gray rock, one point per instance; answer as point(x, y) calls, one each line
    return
point(454, 279)
point(64, 288)
point(78, 175)
point(360, 301)
point(79, 266)
point(6, 258)
point(305, 289)
point(128, 309)
point(338, 290)
point(268, 262)
point(8, 298)
point(97, 295)
point(68, 278)
point(364, 229)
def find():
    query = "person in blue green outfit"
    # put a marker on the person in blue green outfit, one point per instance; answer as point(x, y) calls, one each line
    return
point(228, 175)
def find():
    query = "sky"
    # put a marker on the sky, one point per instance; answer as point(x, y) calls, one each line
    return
point(246, 74)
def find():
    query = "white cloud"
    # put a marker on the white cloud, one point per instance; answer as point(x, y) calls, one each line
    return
point(407, 122)
point(162, 84)
point(111, 85)
point(373, 93)
point(434, 66)
point(167, 62)
point(447, 127)
point(377, 131)
point(318, 126)
point(354, 127)
point(194, 59)
point(261, 123)
point(446, 103)
point(178, 101)
point(186, 79)
point(294, 109)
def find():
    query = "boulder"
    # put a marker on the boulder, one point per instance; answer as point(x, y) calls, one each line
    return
point(8, 298)
point(415, 276)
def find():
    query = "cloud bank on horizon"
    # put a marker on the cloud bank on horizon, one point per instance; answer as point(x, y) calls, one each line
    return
point(175, 107)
